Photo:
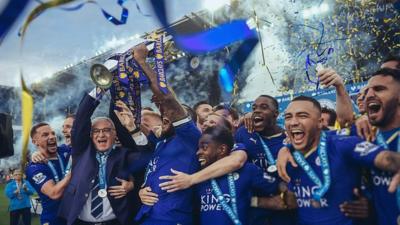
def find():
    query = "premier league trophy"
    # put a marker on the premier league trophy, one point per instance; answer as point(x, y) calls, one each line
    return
point(124, 79)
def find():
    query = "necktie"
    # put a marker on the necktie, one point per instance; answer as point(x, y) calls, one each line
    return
point(97, 201)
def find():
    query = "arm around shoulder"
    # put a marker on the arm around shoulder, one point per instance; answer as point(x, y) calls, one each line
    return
point(55, 191)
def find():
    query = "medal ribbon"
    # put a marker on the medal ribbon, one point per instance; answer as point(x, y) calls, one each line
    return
point(69, 165)
point(322, 153)
point(382, 142)
point(54, 171)
point(231, 209)
point(19, 188)
point(270, 159)
point(102, 160)
point(126, 83)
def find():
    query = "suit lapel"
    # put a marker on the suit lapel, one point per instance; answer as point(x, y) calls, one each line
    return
point(111, 160)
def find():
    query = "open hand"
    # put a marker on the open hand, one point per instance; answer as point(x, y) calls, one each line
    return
point(120, 191)
point(176, 182)
point(147, 197)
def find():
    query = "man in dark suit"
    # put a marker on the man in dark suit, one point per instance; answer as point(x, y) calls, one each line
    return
point(99, 191)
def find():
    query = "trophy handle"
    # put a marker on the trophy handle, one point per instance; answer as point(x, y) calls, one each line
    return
point(101, 76)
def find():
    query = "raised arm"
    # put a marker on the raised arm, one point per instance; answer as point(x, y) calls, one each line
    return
point(80, 134)
point(344, 109)
point(169, 105)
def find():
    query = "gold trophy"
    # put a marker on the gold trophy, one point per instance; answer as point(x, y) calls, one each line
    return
point(103, 76)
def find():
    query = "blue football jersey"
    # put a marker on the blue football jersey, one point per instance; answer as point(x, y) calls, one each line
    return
point(179, 153)
point(256, 152)
point(385, 203)
point(247, 179)
point(256, 155)
point(38, 174)
point(346, 156)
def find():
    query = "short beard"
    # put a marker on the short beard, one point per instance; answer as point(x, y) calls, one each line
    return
point(389, 114)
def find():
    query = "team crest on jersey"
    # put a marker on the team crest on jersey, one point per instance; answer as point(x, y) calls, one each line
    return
point(208, 191)
point(235, 176)
point(39, 178)
point(364, 148)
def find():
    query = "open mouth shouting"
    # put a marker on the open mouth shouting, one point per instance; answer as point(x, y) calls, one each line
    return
point(258, 121)
point(102, 144)
point(297, 136)
point(373, 108)
point(52, 145)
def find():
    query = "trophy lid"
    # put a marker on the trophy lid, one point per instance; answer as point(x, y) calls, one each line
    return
point(101, 76)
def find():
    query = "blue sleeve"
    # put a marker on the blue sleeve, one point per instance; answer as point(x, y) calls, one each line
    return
point(238, 135)
point(9, 190)
point(357, 150)
point(189, 133)
point(238, 146)
point(258, 182)
point(38, 175)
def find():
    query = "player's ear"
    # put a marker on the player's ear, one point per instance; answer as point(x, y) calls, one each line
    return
point(320, 124)
point(223, 150)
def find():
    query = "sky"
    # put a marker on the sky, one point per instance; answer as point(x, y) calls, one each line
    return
point(289, 33)
point(58, 38)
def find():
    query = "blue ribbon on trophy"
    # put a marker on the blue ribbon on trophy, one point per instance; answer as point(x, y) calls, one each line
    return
point(159, 65)
point(125, 84)
point(125, 79)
